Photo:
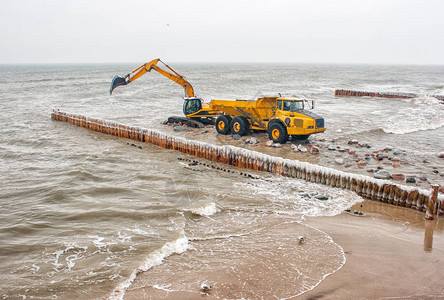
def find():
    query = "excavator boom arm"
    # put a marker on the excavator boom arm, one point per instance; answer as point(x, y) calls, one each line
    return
point(189, 91)
point(147, 67)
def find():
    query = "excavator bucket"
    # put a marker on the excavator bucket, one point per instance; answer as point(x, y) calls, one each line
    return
point(117, 81)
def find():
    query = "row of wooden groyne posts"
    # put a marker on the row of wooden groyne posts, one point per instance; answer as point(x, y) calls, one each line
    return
point(381, 95)
point(365, 186)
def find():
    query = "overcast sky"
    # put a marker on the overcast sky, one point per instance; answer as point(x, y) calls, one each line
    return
point(334, 31)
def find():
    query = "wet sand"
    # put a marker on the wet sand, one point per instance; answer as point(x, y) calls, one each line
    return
point(391, 252)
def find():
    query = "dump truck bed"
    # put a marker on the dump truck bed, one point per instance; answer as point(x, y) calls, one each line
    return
point(260, 109)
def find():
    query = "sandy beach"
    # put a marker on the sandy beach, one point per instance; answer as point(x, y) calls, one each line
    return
point(391, 253)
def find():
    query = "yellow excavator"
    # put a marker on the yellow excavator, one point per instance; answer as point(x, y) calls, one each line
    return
point(280, 117)
point(192, 103)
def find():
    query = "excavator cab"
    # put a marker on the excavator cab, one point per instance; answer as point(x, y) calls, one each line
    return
point(191, 105)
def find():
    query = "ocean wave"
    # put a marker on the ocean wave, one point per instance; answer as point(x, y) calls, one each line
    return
point(205, 210)
point(410, 128)
point(427, 113)
point(405, 125)
point(297, 197)
point(156, 258)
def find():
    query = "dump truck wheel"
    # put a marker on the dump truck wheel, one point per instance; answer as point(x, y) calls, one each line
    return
point(278, 133)
point(240, 125)
point(223, 124)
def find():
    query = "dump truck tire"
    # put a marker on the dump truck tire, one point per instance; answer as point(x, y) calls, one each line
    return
point(278, 133)
point(223, 123)
point(240, 126)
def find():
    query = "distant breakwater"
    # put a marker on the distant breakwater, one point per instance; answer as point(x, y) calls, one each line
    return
point(367, 187)
point(382, 94)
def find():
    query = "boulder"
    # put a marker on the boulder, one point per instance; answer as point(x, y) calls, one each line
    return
point(314, 150)
point(339, 161)
point(382, 174)
point(332, 148)
point(236, 136)
point(302, 149)
point(400, 177)
point(362, 164)
point(252, 141)
point(277, 145)
point(410, 180)
point(396, 165)
point(269, 143)
point(441, 155)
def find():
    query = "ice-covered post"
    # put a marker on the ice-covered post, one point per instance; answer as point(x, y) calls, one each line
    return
point(432, 204)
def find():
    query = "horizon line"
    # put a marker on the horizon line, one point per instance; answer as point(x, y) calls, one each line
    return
point(227, 62)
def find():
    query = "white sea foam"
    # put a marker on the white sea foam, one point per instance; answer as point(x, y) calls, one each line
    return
point(208, 209)
point(155, 258)
point(69, 255)
point(296, 197)
point(427, 113)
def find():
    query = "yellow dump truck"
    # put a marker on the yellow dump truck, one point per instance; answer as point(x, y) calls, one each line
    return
point(280, 117)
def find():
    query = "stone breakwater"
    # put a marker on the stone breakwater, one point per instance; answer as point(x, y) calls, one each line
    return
point(382, 94)
point(366, 187)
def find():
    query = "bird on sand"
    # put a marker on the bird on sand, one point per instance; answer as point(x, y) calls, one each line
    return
point(301, 239)
point(205, 288)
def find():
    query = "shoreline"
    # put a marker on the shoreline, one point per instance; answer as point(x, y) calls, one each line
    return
point(391, 253)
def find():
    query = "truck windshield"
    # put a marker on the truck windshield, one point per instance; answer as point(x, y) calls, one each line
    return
point(293, 105)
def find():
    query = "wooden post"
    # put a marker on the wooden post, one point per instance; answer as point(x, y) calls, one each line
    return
point(432, 205)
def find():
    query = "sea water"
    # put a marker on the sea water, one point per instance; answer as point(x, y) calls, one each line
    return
point(86, 215)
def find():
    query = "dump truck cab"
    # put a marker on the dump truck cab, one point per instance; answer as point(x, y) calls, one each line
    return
point(293, 115)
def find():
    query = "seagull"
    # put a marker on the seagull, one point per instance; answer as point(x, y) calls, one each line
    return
point(301, 239)
point(205, 288)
